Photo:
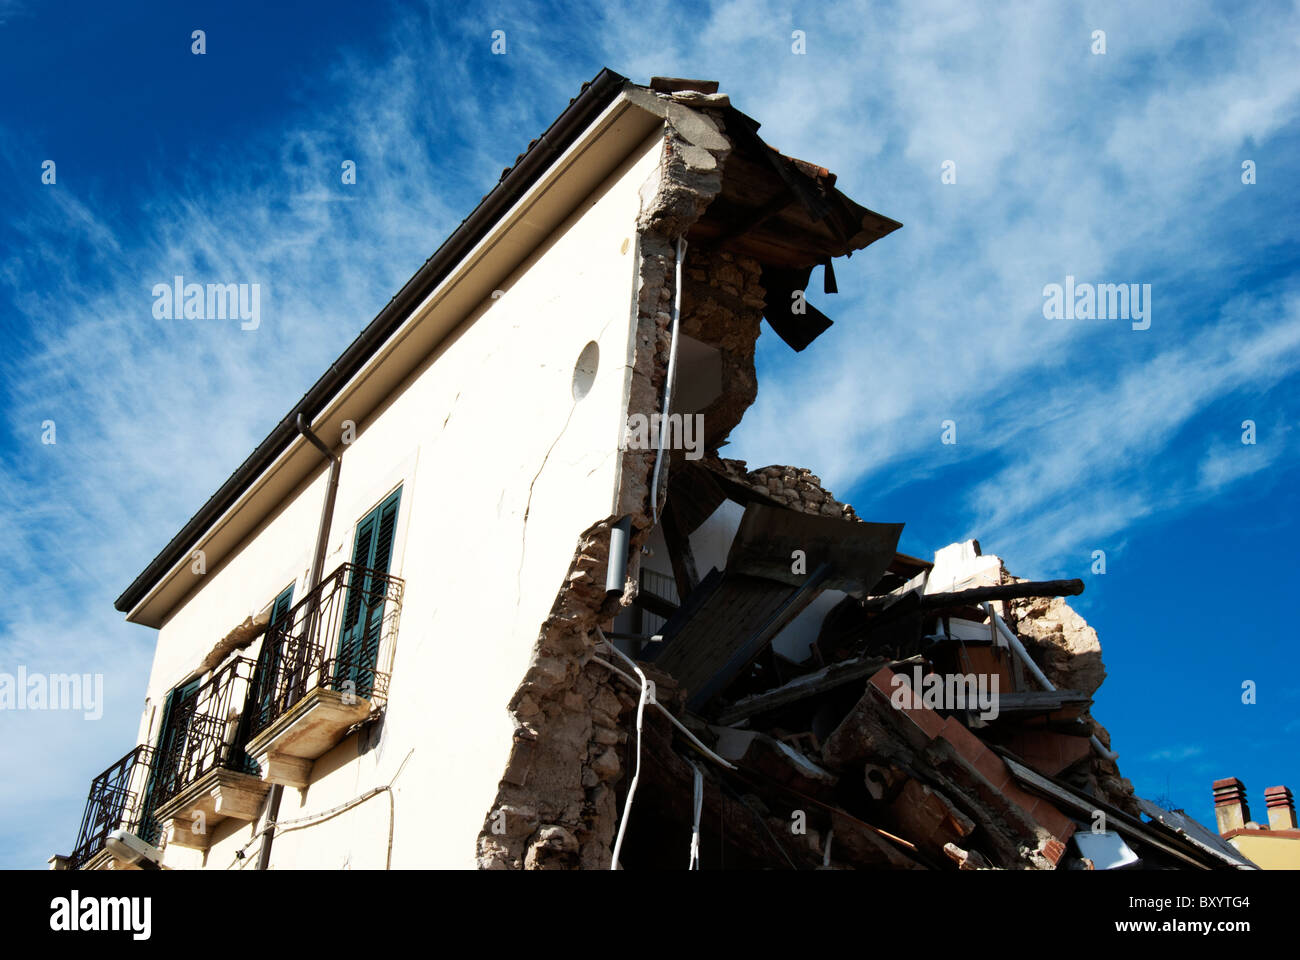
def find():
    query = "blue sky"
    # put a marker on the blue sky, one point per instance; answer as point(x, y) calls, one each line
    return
point(1073, 435)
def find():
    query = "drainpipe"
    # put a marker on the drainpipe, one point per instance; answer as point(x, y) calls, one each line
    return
point(616, 569)
point(327, 512)
point(317, 570)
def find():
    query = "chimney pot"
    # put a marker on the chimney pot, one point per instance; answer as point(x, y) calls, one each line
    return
point(1281, 808)
point(1230, 808)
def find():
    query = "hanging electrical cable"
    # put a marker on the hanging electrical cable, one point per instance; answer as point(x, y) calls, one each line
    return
point(636, 773)
point(668, 380)
point(699, 808)
point(299, 823)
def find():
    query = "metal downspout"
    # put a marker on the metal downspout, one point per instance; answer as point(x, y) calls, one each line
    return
point(317, 569)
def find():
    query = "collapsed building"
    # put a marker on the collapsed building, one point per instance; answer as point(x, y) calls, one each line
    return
point(791, 731)
point(737, 671)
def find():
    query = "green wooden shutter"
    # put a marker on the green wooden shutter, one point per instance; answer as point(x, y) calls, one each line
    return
point(362, 549)
point(363, 615)
point(167, 755)
point(269, 663)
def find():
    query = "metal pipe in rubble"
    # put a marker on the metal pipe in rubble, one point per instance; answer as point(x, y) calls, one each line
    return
point(317, 568)
point(668, 380)
point(616, 568)
point(1019, 649)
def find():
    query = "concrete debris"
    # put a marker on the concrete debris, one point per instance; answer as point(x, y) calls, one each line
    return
point(237, 639)
point(898, 779)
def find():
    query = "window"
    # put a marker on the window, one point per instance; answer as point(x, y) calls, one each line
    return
point(363, 611)
point(177, 710)
point(262, 695)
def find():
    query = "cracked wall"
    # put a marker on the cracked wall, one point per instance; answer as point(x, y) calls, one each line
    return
point(556, 804)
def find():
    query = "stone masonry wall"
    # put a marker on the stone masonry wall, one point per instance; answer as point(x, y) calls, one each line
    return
point(556, 806)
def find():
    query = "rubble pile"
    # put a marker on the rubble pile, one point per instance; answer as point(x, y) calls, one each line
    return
point(940, 719)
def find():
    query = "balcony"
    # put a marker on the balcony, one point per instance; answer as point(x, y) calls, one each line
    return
point(115, 803)
point(323, 668)
point(202, 773)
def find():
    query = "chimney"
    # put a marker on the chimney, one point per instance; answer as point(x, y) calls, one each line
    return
point(1230, 809)
point(1281, 808)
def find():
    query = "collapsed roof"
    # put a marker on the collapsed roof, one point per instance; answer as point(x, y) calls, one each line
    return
point(857, 755)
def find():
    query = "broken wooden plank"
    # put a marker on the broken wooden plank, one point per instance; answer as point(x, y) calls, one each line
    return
point(907, 600)
point(1005, 591)
point(756, 751)
point(1040, 701)
point(780, 544)
point(811, 685)
point(679, 552)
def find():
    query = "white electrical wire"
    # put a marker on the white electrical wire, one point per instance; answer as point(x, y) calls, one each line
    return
point(698, 791)
point(640, 714)
point(695, 741)
point(668, 380)
point(299, 823)
point(636, 774)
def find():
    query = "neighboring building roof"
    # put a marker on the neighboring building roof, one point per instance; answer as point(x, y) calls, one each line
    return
point(1262, 831)
point(1180, 823)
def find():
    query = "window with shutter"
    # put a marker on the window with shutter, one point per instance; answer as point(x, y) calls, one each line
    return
point(363, 612)
point(172, 733)
point(268, 680)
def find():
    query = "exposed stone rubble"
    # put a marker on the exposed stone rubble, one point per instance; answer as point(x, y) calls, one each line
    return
point(722, 305)
point(795, 487)
point(1069, 653)
point(237, 639)
point(555, 806)
point(672, 199)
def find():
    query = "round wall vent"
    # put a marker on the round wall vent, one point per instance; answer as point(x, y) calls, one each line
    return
point(584, 371)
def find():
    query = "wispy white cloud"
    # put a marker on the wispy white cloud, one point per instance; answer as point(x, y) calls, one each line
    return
point(1114, 168)
point(1175, 754)
point(151, 415)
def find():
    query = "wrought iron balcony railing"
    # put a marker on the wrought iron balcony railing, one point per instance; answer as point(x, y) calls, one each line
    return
point(115, 803)
point(207, 729)
point(339, 637)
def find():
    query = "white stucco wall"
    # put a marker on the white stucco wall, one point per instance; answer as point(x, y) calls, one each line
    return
point(501, 471)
